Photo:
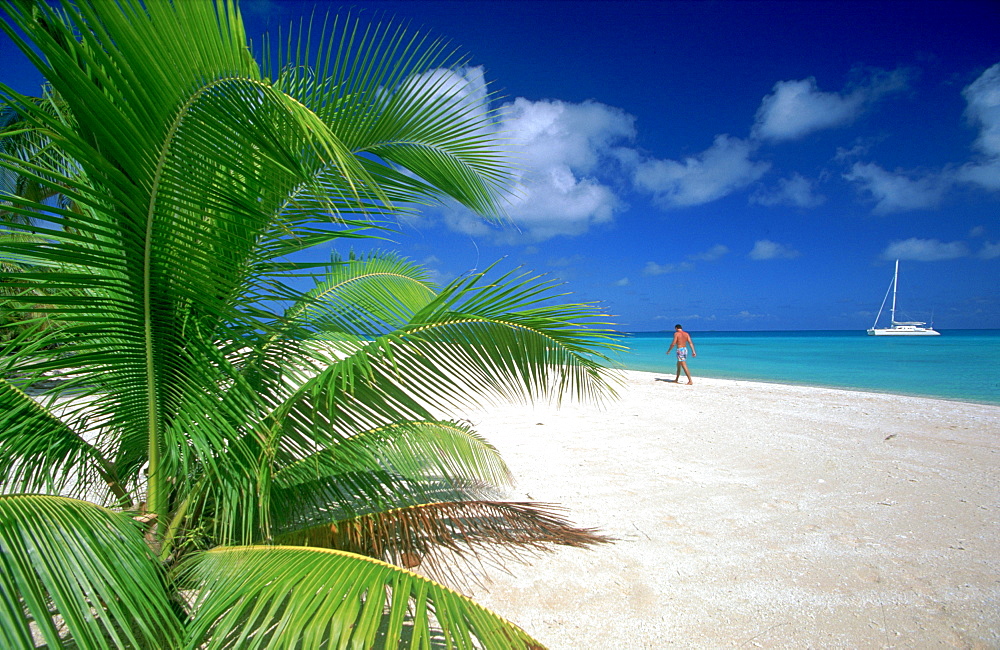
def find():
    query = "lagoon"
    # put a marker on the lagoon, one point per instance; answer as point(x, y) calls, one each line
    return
point(959, 364)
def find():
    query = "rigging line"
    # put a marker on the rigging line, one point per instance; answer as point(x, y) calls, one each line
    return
point(879, 315)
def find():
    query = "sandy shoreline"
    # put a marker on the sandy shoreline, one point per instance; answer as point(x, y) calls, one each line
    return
point(758, 515)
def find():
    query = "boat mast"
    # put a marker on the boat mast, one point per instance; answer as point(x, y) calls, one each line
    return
point(895, 279)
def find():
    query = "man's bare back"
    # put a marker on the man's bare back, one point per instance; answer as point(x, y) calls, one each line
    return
point(682, 340)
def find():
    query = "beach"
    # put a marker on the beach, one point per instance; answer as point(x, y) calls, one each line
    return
point(757, 515)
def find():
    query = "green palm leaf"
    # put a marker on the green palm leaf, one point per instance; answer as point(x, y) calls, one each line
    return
point(185, 176)
point(372, 86)
point(287, 597)
point(404, 464)
point(472, 343)
point(72, 570)
point(39, 452)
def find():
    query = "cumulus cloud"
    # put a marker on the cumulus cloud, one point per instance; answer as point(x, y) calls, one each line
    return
point(559, 147)
point(983, 97)
point(712, 254)
point(795, 190)
point(674, 319)
point(434, 274)
point(924, 250)
point(461, 92)
point(652, 268)
point(897, 191)
point(985, 174)
point(983, 110)
point(901, 190)
point(798, 107)
point(719, 170)
point(765, 249)
point(989, 251)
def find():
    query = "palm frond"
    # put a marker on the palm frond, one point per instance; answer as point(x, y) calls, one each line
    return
point(474, 342)
point(446, 539)
point(363, 297)
point(288, 597)
point(395, 466)
point(401, 97)
point(412, 450)
point(73, 571)
point(40, 452)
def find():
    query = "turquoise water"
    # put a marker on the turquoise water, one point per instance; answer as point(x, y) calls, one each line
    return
point(959, 364)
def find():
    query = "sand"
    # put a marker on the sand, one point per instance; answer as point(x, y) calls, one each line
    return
point(758, 515)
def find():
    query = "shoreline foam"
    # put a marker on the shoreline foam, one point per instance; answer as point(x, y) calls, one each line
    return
point(758, 514)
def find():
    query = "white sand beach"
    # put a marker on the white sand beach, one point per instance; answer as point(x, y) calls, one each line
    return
point(758, 515)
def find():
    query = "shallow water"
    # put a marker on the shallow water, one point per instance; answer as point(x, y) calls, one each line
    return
point(959, 364)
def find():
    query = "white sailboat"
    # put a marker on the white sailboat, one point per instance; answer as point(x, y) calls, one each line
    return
point(899, 328)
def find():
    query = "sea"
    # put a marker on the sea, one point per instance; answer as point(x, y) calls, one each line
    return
point(958, 365)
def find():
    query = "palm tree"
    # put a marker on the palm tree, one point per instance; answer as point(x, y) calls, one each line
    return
point(19, 140)
point(231, 461)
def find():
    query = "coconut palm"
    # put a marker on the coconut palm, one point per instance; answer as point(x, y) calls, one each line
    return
point(19, 140)
point(232, 458)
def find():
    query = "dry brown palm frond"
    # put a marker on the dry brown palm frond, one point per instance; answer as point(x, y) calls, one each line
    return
point(475, 533)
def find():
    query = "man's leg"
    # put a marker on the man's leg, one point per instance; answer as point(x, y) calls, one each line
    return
point(677, 379)
point(686, 372)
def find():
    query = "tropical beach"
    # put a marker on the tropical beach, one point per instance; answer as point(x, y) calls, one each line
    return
point(757, 515)
point(282, 295)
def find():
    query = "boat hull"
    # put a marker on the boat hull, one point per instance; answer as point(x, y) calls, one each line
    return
point(903, 331)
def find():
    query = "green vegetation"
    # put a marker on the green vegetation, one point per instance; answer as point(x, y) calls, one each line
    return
point(217, 458)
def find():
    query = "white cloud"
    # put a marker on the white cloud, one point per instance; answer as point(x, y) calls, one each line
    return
point(624, 282)
point(983, 110)
point(558, 147)
point(977, 231)
point(464, 89)
point(723, 168)
point(896, 191)
point(712, 254)
point(796, 190)
point(797, 108)
point(674, 319)
point(652, 268)
point(983, 97)
point(924, 250)
point(985, 174)
point(989, 251)
point(434, 274)
point(765, 249)
point(856, 151)
point(565, 261)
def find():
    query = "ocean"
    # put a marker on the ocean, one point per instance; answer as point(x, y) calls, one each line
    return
point(959, 364)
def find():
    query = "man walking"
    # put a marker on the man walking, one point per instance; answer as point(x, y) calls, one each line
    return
point(682, 340)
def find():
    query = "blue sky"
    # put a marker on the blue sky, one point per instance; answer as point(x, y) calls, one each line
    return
point(729, 165)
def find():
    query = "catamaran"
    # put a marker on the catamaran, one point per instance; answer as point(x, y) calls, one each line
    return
point(899, 328)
